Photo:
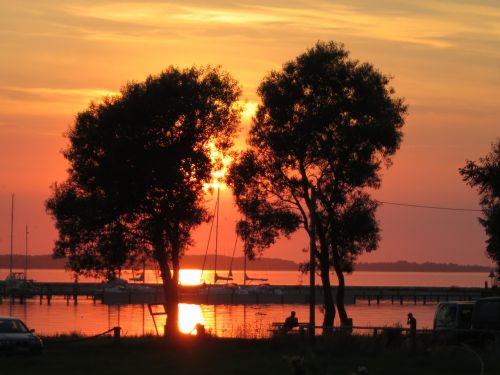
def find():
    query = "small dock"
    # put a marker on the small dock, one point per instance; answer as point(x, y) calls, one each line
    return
point(45, 291)
point(413, 295)
point(232, 295)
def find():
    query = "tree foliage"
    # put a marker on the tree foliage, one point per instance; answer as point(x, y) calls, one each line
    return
point(326, 126)
point(138, 165)
point(485, 176)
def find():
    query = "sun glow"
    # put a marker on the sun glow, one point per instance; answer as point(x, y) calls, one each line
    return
point(249, 110)
point(189, 277)
point(189, 317)
point(221, 164)
point(222, 161)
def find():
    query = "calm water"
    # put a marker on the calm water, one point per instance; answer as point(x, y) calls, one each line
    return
point(225, 321)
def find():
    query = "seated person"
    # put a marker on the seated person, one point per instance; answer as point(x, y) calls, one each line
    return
point(290, 322)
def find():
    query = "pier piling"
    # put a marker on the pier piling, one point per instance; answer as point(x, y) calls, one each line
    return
point(116, 335)
point(204, 294)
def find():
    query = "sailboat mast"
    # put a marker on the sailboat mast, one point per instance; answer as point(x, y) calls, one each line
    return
point(245, 259)
point(244, 265)
point(216, 234)
point(26, 257)
point(144, 271)
point(11, 236)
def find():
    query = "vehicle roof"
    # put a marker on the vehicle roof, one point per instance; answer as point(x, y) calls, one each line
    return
point(8, 318)
point(457, 303)
point(490, 299)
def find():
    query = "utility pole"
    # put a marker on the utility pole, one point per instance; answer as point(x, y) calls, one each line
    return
point(312, 268)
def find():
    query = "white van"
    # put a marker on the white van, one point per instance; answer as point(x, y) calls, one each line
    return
point(486, 314)
point(482, 314)
point(454, 315)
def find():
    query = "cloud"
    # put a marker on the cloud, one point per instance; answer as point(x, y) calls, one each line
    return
point(53, 94)
point(435, 48)
point(430, 23)
point(27, 107)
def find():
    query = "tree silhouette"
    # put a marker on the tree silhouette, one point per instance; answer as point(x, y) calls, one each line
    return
point(138, 165)
point(485, 176)
point(325, 127)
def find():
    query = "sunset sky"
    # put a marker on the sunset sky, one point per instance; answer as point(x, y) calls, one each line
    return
point(57, 56)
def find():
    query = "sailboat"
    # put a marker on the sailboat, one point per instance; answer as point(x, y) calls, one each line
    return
point(229, 276)
point(215, 219)
point(218, 277)
point(248, 278)
point(141, 278)
point(17, 282)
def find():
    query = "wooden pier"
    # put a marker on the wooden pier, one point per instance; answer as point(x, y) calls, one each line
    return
point(415, 295)
point(232, 295)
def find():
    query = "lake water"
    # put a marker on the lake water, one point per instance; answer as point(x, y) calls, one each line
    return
point(226, 320)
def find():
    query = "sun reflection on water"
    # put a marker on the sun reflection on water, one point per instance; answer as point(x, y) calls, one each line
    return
point(189, 316)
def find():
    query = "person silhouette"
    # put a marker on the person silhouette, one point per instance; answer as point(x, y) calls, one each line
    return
point(290, 322)
point(412, 322)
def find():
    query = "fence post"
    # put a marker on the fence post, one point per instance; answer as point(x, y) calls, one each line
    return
point(116, 335)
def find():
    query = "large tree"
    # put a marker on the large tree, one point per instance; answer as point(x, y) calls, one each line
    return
point(326, 126)
point(485, 176)
point(138, 165)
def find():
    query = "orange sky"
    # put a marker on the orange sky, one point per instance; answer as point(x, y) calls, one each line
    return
point(444, 55)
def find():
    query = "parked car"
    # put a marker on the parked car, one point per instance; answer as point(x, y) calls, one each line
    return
point(15, 336)
point(486, 314)
point(454, 315)
point(475, 322)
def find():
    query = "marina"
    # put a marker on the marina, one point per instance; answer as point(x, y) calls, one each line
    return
point(230, 294)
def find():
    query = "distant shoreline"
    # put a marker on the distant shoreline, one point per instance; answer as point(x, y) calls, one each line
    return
point(269, 264)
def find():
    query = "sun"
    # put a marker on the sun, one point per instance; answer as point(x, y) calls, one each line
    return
point(189, 276)
point(221, 162)
point(249, 110)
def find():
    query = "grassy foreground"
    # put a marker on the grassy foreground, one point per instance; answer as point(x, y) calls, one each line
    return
point(333, 355)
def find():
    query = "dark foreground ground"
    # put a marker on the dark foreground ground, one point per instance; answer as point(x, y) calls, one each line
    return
point(333, 355)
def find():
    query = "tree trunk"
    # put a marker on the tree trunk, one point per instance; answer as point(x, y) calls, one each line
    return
point(344, 319)
point(172, 309)
point(170, 291)
point(329, 317)
point(324, 264)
